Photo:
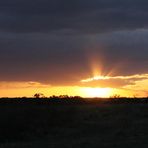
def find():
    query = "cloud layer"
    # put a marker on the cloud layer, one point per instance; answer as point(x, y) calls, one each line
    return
point(114, 81)
point(55, 41)
point(79, 15)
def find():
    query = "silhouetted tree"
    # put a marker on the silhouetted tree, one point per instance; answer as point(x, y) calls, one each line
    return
point(63, 96)
point(39, 95)
point(116, 96)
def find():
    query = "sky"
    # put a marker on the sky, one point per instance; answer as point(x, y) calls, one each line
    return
point(81, 47)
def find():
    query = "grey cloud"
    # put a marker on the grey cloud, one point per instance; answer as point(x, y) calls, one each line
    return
point(53, 40)
point(84, 16)
point(126, 50)
point(42, 57)
point(62, 59)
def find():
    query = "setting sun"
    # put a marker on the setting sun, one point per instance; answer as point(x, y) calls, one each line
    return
point(96, 92)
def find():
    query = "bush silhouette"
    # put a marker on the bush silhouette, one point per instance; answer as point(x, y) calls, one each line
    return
point(39, 95)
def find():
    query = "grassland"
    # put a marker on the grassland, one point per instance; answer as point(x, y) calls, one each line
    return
point(54, 123)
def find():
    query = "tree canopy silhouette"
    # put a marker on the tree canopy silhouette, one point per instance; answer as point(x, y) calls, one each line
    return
point(39, 95)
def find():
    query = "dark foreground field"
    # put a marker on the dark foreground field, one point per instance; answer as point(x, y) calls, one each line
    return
point(30, 123)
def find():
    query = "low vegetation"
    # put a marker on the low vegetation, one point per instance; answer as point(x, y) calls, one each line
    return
point(70, 122)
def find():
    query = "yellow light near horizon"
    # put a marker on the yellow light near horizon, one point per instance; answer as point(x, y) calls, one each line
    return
point(96, 92)
point(28, 89)
point(71, 91)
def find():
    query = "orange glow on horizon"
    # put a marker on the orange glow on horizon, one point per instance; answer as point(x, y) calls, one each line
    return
point(65, 90)
point(138, 88)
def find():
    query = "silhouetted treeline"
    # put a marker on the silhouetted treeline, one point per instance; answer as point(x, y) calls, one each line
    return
point(128, 100)
point(67, 100)
point(45, 101)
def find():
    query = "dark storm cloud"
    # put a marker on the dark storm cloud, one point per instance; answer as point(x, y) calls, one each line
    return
point(125, 50)
point(78, 15)
point(63, 59)
point(52, 40)
point(42, 57)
